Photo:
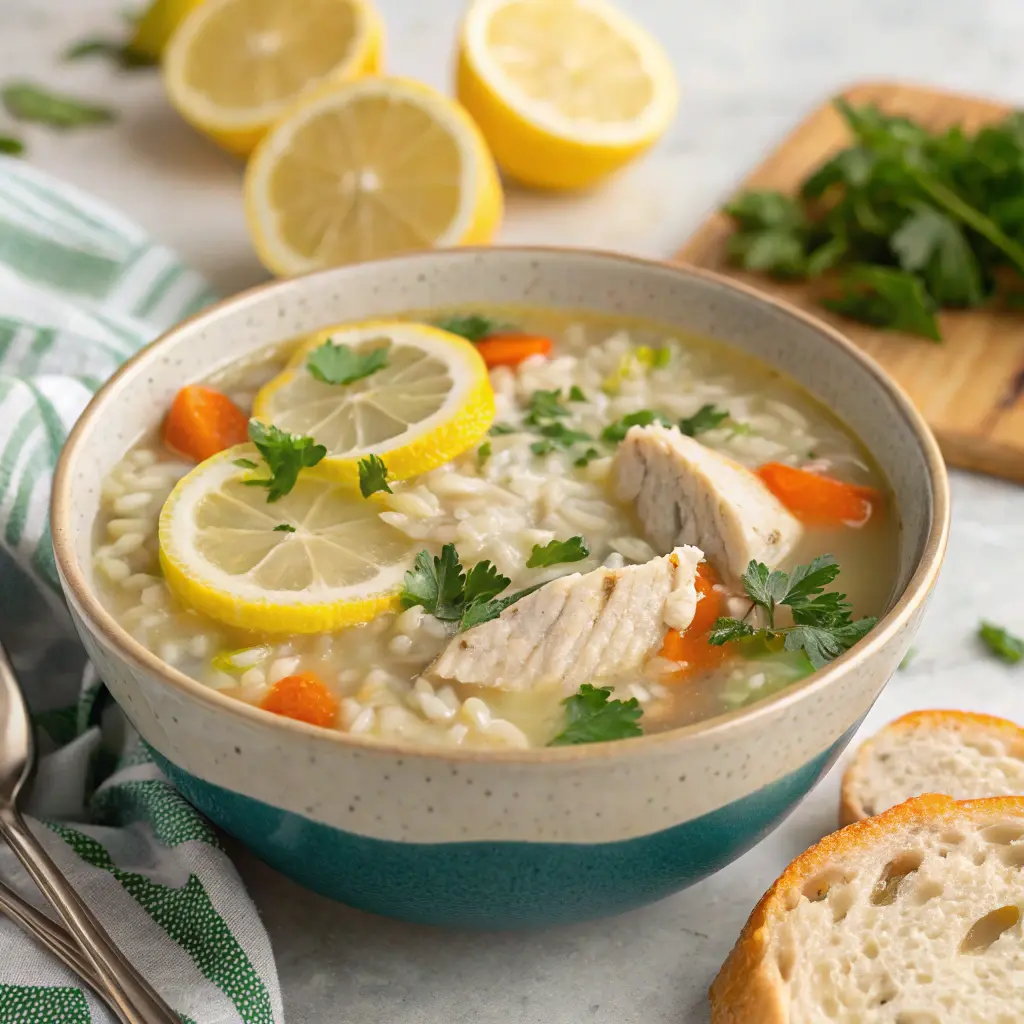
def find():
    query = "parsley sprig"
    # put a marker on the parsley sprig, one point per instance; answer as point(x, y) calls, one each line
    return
point(706, 418)
point(25, 101)
point(472, 326)
point(823, 627)
point(452, 593)
point(332, 363)
point(593, 717)
point(285, 455)
point(373, 476)
point(907, 221)
point(1001, 642)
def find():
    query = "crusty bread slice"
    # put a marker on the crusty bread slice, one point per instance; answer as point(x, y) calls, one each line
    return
point(964, 755)
point(910, 917)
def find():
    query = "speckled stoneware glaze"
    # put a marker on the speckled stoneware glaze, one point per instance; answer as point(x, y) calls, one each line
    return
point(501, 839)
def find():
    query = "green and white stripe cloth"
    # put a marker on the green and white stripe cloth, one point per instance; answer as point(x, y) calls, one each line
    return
point(81, 289)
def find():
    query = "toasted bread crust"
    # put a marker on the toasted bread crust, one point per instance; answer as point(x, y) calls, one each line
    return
point(850, 807)
point(749, 988)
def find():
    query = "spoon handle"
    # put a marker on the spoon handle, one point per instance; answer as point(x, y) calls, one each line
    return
point(53, 937)
point(133, 997)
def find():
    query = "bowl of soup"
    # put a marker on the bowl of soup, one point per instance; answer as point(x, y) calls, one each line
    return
point(498, 588)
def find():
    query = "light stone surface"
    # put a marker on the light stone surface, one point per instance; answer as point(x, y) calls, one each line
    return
point(748, 69)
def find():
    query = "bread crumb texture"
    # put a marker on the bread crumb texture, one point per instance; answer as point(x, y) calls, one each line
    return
point(910, 917)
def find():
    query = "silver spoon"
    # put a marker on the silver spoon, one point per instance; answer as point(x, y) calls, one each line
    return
point(131, 996)
point(53, 937)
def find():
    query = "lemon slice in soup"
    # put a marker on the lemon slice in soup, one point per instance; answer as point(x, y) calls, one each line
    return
point(317, 559)
point(413, 395)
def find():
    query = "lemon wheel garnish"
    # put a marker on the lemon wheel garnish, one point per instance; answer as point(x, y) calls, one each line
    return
point(431, 402)
point(368, 169)
point(233, 67)
point(566, 92)
point(317, 559)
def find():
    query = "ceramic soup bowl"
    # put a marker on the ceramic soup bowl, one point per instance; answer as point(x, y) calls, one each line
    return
point(506, 839)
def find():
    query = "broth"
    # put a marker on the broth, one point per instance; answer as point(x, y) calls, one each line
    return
point(496, 504)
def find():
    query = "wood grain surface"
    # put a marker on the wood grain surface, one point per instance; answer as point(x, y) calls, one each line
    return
point(968, 386)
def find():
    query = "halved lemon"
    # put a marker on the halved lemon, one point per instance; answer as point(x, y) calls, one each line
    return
point(317, 559)
point(565, 92)
point(430, 402)
point(233, 67)
point(368, 169)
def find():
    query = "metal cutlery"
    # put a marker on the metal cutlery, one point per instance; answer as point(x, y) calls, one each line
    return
point(130, 996)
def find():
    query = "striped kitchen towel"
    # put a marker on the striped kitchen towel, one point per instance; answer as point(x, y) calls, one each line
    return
point(81, 289)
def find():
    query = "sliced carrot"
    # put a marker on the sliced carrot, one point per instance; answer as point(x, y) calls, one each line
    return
point(819, 500)
point(303, 696)
point(511, 349)
point(691, 648)
point(202, 422)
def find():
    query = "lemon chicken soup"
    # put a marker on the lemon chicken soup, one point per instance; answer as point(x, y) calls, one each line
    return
point(497, 529)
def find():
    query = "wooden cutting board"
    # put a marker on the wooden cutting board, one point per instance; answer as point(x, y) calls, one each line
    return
point(969, 386)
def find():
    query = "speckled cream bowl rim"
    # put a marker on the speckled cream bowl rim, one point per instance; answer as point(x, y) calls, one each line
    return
point(140, 658)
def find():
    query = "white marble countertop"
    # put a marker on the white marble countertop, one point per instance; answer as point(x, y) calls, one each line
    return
point(748, 69)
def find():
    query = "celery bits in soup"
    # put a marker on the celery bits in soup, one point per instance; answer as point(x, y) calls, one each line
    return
point(497, 529)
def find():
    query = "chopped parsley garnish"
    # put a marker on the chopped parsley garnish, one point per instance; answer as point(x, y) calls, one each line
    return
point(591, 716)
point(497, 429)
point(557, 435)
point(616, 431)
point(27, 102)
point(452, 594)
point(822, 629)
point(284, 528)
point(707, 417)
point(373, 476)
point(545, 405)
point(245, 463)
point(472, 327)
point(557, 551)
point(483, 453)
point(341, 364)
point(286, 455)
point(653, 358)
point(1002, 644)
point(576, 394)
point(120, 53)
point(10, 146)
point(587, 457)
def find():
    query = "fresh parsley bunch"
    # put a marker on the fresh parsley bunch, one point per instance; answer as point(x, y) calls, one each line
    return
point(907, 219)
point(823, 627)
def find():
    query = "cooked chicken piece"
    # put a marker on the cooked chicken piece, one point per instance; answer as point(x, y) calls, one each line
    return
point(578, 628)
point(686, 493)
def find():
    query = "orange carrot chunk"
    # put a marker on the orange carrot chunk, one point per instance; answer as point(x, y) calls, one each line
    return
point(303, 696)
point(819, 500)
point(202, 422)
point(511, 349)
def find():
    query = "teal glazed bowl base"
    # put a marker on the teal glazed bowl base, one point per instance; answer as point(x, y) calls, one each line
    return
point(505, 838)
point(502, 885)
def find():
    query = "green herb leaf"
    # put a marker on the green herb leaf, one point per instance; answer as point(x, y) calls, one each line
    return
point(284, 528)
point(436, 583)
point(373, 476)
point(886, 297)
point(340, 364)
point(484, 611)
point(593, 717)
point(483, 453)
point(706, 418)
point(931, 244)
point(1001, 643)
point(119, 52)
point(557, 551)
point(472, 327)
point(10, 146)
point(806, 581)
point(498, 429)
point(576, 394)
point(726, 630)
point(587, 457)
point(27, 102)
point(483, 582)
point(245, 463)
point(286, 455)
point(615, 432)
point(545, 405)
